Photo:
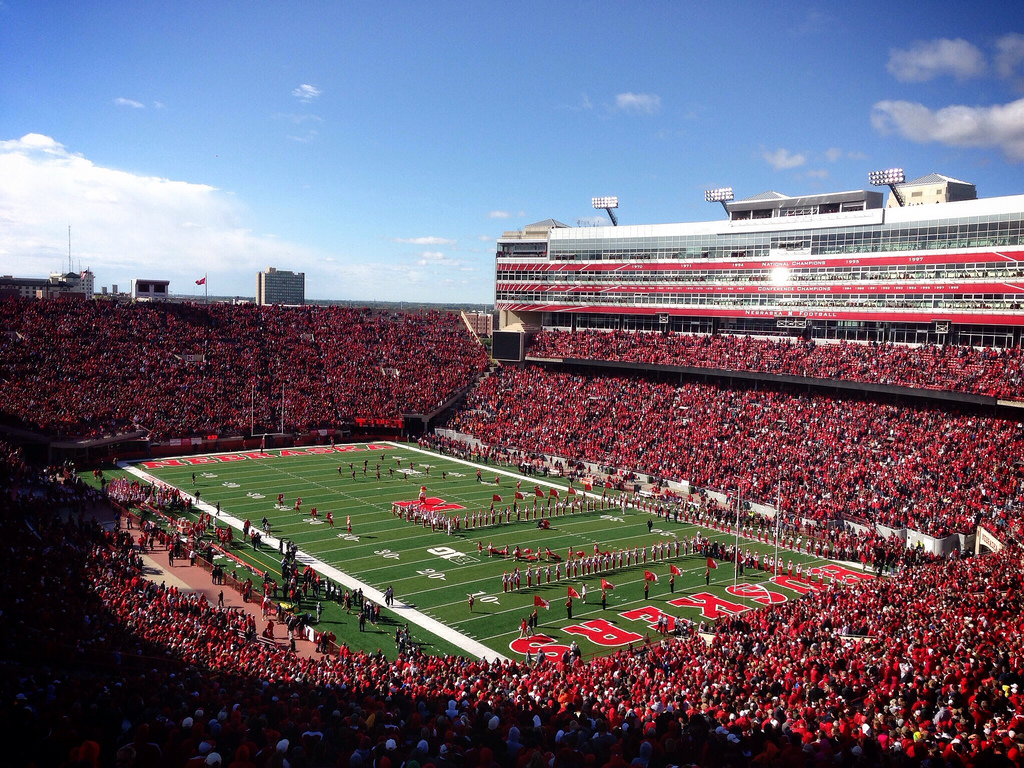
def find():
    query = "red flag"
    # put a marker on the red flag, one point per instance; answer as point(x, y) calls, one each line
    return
point(519, 495)
point(538, 492)
point(648, 576)
point(201, 280)
point(540, 602)
point(572, 592)
point(607, 584)
point(588, 486)
point(711, 563)
point(674, 570)
point(495, 497)
point(553, 492)
point(571, 491)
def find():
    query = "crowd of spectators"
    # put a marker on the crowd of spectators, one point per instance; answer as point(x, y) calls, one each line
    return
point(936, 470)
point(88, 368)
point(110, 668)
point(979, 371)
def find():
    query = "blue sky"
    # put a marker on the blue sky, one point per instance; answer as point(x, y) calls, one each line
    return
point(381, 148)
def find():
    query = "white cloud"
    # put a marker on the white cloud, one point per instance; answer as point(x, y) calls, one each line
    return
point(781, 159)
point(486, 238)
point(158, 105)
point(123, 102)
point(125, 225)
point(833, 153)
point(306, 93)
point(498, 215)
point(816, 173)
point(305, 138)
point(1000, 125)
point(928, 59)
point(1010, 54)
point(423, 240)
point(437, 259)
point(645, 103)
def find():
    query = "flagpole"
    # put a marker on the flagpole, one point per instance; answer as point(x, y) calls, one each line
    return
point(206, 290)
point(778, 519)
point(735, 566)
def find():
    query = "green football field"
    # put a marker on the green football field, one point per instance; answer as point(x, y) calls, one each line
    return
point(433, 573)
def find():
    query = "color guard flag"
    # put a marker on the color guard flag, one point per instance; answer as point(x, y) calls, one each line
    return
point(519, 495)
point(607, 584)
point(553, 492)
point(571, 491)
point(572, 593)
point(495, 497)
point(711, 563)
point(648, 576)
point(538, 492)
point(540, 602)
point(674, 570)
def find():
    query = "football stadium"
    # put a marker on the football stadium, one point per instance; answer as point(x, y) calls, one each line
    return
point(647, 521)
point(490, 467)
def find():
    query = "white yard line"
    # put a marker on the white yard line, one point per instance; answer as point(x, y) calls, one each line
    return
point(406, 612)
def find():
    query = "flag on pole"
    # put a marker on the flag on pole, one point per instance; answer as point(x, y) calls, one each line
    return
point(607, 584)
point(711, 563)
point(495, 497)
point(674, 570)
point(537, 491)
point(519, 495)
point(553, 492)
point(572, 592)
point(201, 280)
point(540, 602)
point(571, 491)
point(648, 576)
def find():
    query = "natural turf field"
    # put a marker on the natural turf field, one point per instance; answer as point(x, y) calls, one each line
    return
point(435, 573)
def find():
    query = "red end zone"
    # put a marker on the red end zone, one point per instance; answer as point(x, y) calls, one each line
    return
point(192, 461)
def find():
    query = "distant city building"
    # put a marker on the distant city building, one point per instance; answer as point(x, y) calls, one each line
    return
point(57, 284)
point(933, 188)
point(150, 290)
point(280, 287)
point(482, 323)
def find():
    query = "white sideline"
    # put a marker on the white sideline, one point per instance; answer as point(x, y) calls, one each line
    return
point(406, 612)
point(490, 468)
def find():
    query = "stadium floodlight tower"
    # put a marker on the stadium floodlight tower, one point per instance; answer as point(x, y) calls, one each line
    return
point(607, 204)
point(889, 178)
point(721, 195)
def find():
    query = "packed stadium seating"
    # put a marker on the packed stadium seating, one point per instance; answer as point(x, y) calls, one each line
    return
point(931, 469)
point(108, 667)
point(994, 372)
point(86, 368)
